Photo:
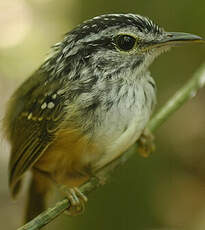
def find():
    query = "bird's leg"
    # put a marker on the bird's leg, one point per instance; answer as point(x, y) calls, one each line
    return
point(146, 143)
point(77, 200)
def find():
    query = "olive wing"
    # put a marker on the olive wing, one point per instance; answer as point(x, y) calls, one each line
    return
point(33, 127)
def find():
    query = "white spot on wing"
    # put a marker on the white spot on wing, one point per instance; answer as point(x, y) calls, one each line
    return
point(44, 105)
point(29, 116)
point(51, 105)
point(54, 96)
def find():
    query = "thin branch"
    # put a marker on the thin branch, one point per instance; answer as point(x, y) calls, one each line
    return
point(188, 91)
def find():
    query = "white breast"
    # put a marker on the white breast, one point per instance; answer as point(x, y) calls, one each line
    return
point(125, 122)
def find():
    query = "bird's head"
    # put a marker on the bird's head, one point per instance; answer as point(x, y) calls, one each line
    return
point(109, 44)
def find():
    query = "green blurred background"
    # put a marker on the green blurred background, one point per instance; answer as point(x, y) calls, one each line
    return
point(164, 191)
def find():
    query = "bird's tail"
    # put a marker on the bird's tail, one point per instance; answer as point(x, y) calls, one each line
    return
point(36, 200)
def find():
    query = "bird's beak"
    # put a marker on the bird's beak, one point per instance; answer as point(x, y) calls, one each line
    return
point(174, 39)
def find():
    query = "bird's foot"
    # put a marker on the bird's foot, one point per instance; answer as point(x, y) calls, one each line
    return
point(77, 200)
point(146, 143)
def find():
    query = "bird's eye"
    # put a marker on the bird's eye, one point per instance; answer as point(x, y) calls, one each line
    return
point(125, 42)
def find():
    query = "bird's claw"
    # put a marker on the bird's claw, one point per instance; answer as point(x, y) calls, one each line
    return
point(146, 143)
point(77, 201)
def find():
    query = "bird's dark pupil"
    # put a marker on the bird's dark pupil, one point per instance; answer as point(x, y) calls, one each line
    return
point(125, 42)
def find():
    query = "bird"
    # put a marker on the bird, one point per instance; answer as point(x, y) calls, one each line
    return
point(88, 102)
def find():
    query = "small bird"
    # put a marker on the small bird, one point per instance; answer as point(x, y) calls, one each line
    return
point(85, 106)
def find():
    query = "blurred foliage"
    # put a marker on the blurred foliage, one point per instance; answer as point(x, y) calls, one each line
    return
point(165, 191)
